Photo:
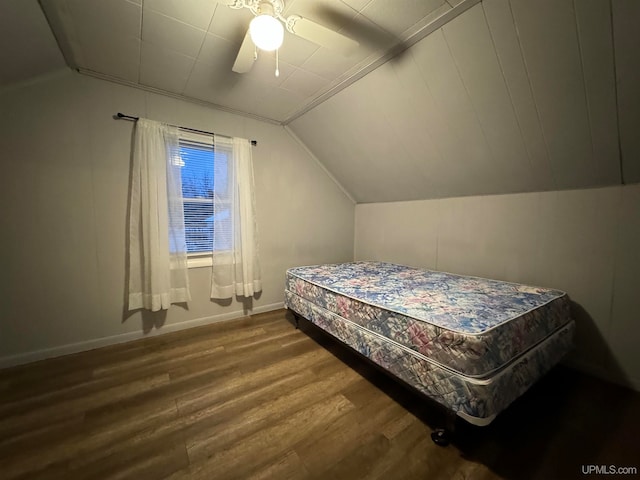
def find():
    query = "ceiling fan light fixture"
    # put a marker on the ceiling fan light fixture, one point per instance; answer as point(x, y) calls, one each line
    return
point(266, 32)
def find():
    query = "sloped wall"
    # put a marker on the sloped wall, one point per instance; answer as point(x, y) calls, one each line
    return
point(511, 96)
point(63, 203)
point(584, 242)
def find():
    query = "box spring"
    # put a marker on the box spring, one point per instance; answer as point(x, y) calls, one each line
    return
point(472, 344)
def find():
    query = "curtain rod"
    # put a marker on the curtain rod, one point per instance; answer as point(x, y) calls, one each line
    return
point(135, 119)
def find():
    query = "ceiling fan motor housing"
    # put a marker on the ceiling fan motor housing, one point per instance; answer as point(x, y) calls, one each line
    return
point(267, 7)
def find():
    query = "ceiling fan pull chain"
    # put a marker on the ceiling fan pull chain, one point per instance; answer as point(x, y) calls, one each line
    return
point(255, 53)
point(277, 65)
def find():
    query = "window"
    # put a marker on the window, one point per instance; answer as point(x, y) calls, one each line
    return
point(200, 167)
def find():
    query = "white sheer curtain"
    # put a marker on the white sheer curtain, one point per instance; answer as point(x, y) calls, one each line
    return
point(236, 268)
point(157, 248)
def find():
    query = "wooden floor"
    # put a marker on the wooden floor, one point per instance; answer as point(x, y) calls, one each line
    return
point(256, 398)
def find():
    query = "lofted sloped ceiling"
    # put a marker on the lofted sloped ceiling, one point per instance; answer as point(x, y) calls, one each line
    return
point(187, 48)
point(510, 96)
point(27, 46)
point(443, 98)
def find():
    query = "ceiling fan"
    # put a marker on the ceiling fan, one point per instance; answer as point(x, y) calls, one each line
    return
point(266, 32)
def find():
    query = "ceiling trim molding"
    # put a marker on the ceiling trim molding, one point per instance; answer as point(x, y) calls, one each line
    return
point(59, 21)
point(401, 46)
point(177, 96)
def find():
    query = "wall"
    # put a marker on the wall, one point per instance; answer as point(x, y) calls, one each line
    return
point(511, 96)
point(584, 242)
point(63, 204)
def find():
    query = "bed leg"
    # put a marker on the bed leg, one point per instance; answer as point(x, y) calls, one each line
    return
point(443, 436)
point(297, 321)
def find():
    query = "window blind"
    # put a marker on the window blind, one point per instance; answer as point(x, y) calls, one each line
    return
point(205, 174)
point(197, 161)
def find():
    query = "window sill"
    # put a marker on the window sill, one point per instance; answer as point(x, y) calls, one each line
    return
point(198, 262)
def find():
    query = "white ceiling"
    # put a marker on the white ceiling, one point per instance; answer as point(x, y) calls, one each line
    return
point(187, 47)
point(442, 98)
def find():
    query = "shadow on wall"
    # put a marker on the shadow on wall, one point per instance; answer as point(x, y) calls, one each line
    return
point(592, 353)
point(567, 421)
point(156, 320)
point(150, 320)
point(564, 423)
point(246, 302)
point(366, 34)
point(126, 313)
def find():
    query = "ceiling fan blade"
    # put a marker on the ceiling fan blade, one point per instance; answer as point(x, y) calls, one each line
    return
point(244, 60)
point(323, 36)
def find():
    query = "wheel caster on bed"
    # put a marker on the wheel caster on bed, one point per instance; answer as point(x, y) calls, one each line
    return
point(441, 437)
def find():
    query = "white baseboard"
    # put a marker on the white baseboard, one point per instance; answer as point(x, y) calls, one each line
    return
point(34, 356)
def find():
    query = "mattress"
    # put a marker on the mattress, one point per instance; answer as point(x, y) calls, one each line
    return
point(470, 326)
point(478, 401)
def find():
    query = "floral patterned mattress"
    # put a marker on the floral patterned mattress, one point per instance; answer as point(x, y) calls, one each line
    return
point(478, 401)
point(471, 326)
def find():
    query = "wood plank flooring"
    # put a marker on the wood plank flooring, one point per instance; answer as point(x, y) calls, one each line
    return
point(255, 398)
